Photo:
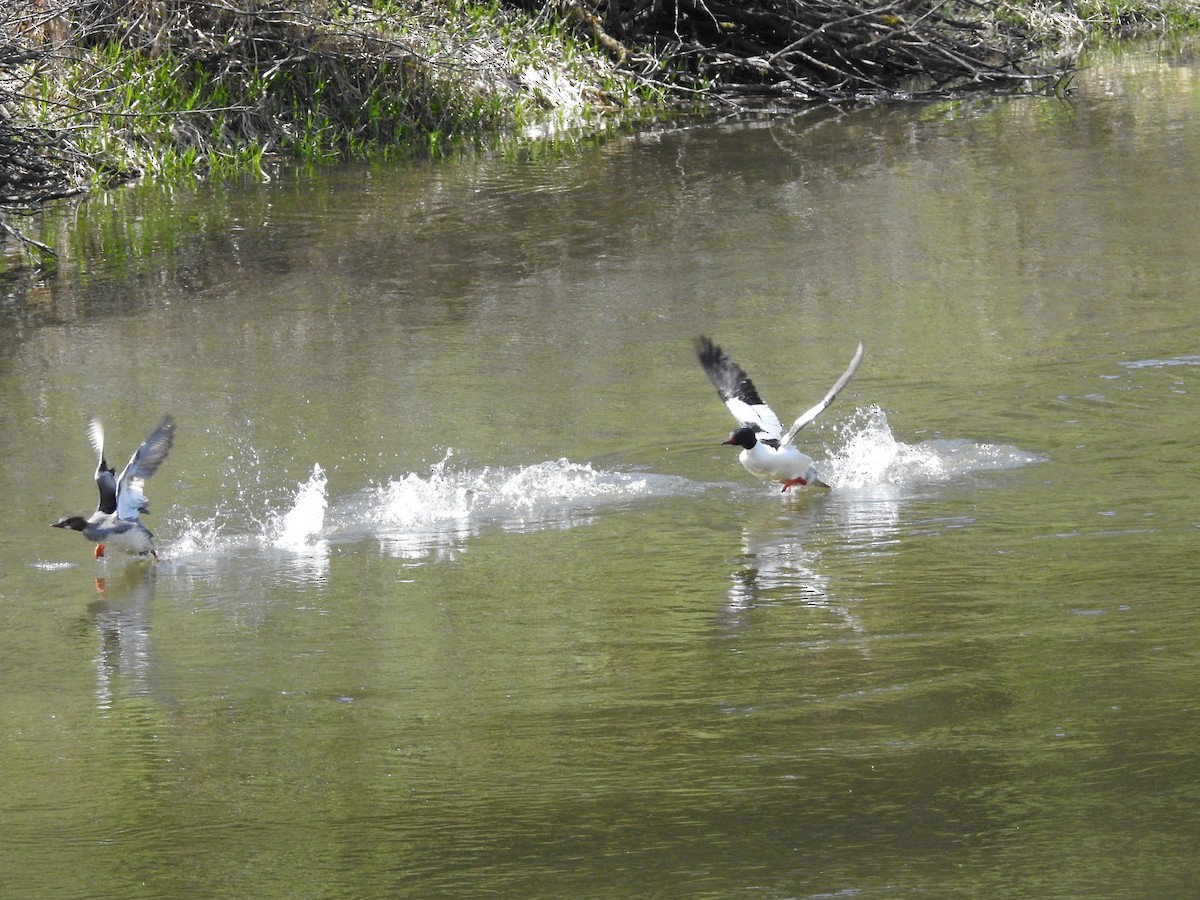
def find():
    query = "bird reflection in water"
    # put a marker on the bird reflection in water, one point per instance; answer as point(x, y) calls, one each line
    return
point(781, 564)
point(120, 614)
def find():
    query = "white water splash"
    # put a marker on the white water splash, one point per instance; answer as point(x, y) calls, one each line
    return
point(300, 526)
point(871, 455)
point(497, 492)
point(417, 513)
point(200, 537)
point(295, 527)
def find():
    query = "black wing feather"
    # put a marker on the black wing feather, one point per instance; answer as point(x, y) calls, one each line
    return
point(730, 379)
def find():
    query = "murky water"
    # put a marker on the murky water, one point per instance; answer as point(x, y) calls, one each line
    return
point(461, 596)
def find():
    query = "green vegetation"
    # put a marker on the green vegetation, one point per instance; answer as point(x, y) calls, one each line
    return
point(141, 88)
point(1057, 23)
point(96, 92)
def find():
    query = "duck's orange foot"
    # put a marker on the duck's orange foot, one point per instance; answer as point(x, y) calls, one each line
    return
point(791, 481)
point(99, 551)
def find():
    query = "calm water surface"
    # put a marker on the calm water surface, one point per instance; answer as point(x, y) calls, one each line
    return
point(461, 596)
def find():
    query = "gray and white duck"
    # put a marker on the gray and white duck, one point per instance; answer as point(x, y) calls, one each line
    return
point(115, 523)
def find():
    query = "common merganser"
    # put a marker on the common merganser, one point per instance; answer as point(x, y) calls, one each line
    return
point(115, 522)
point(767, 452)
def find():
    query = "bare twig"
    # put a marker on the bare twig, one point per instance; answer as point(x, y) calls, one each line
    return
point(29, 243)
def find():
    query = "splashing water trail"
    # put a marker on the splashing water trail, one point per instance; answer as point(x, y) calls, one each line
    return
point(300, 526)
point(198, 538)
point(419, 513)
point(295, 527)
point(416, 512)
point(871, 455)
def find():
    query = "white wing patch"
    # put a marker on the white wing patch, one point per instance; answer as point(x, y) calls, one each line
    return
point(817, 409)
point(145, 462)
point(770, 428)
point(106, 478)
point(737, 390)
point(95, 433)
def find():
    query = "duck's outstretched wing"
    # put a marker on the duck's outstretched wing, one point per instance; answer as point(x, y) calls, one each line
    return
point(106, 475)
point(144, 463)
point(737, 390)
point(816, 410)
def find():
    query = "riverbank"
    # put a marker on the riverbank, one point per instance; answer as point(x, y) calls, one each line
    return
point(94, 94)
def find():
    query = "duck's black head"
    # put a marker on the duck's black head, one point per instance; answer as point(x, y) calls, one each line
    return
point(746, 436)
point(75, 523)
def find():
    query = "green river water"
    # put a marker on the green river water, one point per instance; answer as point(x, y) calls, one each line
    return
point(460, 595)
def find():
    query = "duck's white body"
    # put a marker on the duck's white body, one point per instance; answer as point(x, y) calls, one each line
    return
point(767, 452)
point(110, 532)
point(783, 464)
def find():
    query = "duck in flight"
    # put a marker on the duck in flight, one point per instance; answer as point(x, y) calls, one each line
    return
point(115, 522)
point(767, 452)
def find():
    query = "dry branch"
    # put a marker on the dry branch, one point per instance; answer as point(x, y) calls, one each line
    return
point(830, 49)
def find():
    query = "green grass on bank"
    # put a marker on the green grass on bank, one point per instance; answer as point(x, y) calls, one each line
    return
point(1083, 20)
point(113, 90)
point(140, 90)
